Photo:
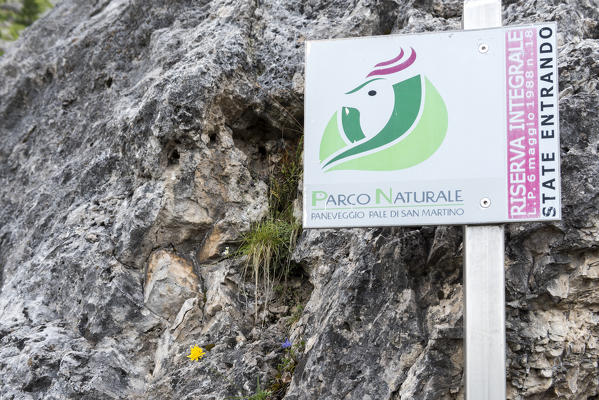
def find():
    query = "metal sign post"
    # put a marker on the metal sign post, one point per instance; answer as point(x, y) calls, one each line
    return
point(484, 293)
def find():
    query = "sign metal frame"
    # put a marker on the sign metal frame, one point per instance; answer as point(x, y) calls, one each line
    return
point(471, 141)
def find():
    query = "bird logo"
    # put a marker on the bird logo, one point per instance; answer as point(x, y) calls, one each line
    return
point(385, 125)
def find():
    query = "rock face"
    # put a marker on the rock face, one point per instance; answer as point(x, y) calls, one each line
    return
point(169, 282)
point(136, 142)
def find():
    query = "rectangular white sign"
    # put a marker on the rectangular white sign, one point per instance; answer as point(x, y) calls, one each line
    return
point(430, 129)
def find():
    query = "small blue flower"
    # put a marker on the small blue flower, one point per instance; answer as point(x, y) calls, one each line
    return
point(286, 344)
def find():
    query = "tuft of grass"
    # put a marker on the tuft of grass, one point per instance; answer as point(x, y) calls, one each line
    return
point(260, 394)
point(269, 244)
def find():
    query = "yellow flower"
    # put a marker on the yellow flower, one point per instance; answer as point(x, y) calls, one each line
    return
point(195, 353)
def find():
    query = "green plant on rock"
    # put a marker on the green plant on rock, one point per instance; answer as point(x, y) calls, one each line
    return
point(269, 243)
point(260, 394)
point(298, 309)
point(284, 182)
point(286, 367)
point(267, 247)
point(17, 15)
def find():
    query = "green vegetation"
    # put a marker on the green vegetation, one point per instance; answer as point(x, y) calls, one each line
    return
point(298, 309)
point(286, 368)
point(15, 15)
point(260, 394)
point(268, 245)
point(279, 385)
point(284, 181)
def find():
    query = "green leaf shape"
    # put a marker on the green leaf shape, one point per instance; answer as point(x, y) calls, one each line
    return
point(421, 143)
point(331, 141)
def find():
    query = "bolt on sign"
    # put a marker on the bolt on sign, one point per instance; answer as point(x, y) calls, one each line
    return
point(430, 129)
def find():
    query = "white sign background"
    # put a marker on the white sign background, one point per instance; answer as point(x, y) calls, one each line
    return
point(473, 156)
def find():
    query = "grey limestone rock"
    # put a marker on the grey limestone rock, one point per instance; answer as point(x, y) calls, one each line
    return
point(137, 137)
